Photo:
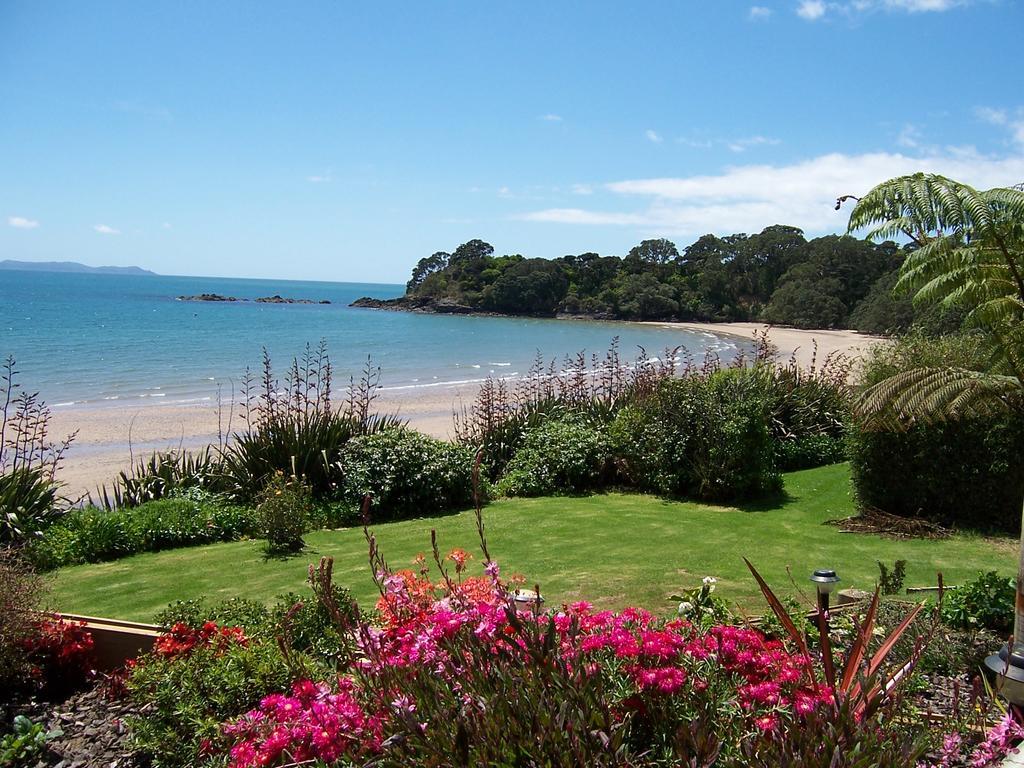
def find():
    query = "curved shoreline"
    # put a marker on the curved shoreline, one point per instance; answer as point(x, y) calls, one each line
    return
point(103, 448)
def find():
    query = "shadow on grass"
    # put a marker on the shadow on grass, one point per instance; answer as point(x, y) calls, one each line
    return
point(285, 556)
point(770, 503)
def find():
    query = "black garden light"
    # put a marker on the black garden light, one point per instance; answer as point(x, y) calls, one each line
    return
point(825, 581)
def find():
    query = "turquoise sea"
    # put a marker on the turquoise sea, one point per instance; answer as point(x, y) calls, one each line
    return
point(94, 339)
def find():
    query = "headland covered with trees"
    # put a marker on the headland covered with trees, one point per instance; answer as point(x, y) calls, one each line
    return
point(776, 276)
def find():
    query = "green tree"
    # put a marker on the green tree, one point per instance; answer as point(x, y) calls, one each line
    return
point(659, 251)
point(970, 256)
point(426, 267)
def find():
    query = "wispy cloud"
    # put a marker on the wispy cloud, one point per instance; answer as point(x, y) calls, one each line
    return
point(747, 198)
point(20, 222)
point(1012, 120)
point(991, 115)
point(321, 178)
point(504, 192)
point(759, 13)
point(166, 225)
point(103, 229)
point(582, 189)
point(742, 145)
point(551, 118)
point(811, 10)
point(653, 136)
point(909, 137)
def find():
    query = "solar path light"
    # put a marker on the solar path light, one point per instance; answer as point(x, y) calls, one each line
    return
point(825, 581)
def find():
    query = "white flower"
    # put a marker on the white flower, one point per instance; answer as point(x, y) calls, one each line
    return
point(685, 607)
point(710, 580)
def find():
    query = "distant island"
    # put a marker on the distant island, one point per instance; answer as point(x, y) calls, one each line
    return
point(275, 299)
point(70, 266)
point(776, 276)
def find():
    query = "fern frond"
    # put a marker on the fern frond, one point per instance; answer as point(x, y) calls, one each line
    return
point(935, 394)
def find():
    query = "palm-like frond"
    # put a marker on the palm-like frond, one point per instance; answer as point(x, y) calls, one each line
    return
point(936, 394)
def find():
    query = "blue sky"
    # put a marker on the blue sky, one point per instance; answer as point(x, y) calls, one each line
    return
point(343, 141)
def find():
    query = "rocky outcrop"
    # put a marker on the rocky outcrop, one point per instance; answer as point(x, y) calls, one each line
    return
point(275, 299)
point(417, 304)
point(208, 297)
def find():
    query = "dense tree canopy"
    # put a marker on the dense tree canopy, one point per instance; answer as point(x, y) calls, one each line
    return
point(776, 275)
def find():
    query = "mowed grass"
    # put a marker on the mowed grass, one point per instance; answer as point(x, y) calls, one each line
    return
point(611, 549)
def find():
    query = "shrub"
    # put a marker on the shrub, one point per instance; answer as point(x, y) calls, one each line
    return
point(306, 625)
point(162, 475)
point(962, 473)
point(563, 455)
point(407, 473)
point(95, 535)
point(700, 436)
point(985, 603)
point(60, 655)
point(21, 593)
point(808, 452)
point(283, 511)
point(307, 445)
point(28, 461)
point(253, 616)
point(185, 692)
point(28, 498)
point(292, 427)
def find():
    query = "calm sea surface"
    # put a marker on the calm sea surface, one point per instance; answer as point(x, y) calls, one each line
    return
point(86, 339)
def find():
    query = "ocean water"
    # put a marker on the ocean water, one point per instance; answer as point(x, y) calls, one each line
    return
point(92, 340)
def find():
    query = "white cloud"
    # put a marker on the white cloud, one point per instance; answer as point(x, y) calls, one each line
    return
point(747, 198)
point(103, 229)
point(582, 189)
point(551, 118)
point(759, 13)
point(811, 9)
point(166, 225)
point(921, 6)
point(653, 136)
point(20, 222)
point(320, 178)
point(504, 192)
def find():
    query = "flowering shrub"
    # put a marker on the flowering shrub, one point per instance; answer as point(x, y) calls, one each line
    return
point(183, 639)
point(195, 679)
point(313, 723)
point(60, 654)
point(454, 669)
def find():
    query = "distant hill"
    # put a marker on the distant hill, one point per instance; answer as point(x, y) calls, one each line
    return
point(70, 266)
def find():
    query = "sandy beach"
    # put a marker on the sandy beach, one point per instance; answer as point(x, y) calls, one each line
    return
point(110, 437)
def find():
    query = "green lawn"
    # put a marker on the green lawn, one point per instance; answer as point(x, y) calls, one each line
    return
point(613, 550)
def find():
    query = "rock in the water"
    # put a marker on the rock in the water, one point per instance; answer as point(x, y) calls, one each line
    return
point(207, 297)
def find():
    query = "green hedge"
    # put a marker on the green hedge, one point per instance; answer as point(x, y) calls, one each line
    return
point(964, 473)
point(95, 535)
